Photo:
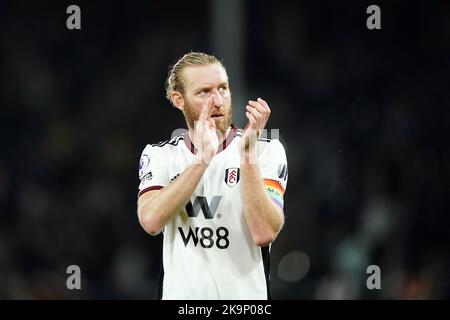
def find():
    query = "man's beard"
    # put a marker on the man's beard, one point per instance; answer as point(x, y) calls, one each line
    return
point(192, 116)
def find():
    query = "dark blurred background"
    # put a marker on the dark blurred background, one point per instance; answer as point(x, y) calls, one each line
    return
point(363, 115)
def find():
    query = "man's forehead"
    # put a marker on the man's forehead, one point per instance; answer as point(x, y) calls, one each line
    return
point(205, 75)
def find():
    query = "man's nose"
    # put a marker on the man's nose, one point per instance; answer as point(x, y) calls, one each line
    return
point(217, 99)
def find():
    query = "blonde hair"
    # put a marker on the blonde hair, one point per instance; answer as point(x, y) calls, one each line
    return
point(174, 81)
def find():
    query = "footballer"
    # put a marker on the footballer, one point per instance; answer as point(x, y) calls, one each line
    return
point(214, 191)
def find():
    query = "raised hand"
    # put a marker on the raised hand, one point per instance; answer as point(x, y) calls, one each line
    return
point(205, 133)
point(258, 113)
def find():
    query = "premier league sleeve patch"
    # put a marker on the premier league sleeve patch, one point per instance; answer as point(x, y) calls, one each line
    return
point(143, 164)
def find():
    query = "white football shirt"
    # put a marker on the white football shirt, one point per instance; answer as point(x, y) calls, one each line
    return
point(208, 252)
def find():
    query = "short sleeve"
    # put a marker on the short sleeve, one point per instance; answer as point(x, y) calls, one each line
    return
point(273, 163)
point(152, 170)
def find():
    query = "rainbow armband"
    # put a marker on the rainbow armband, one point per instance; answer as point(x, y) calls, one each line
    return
point(275, 191)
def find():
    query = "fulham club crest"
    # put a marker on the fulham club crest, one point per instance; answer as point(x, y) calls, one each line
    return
point(232, 176)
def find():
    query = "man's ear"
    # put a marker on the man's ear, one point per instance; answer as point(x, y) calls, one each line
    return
point(177, 100)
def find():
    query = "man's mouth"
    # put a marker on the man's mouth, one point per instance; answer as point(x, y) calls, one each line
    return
point(217, 116)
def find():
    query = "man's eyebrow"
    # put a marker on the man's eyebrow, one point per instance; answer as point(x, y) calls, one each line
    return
point(202, 87)
point(207, 86)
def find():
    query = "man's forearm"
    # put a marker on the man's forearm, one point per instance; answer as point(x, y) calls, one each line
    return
point(264, 218)
point(156, 210)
